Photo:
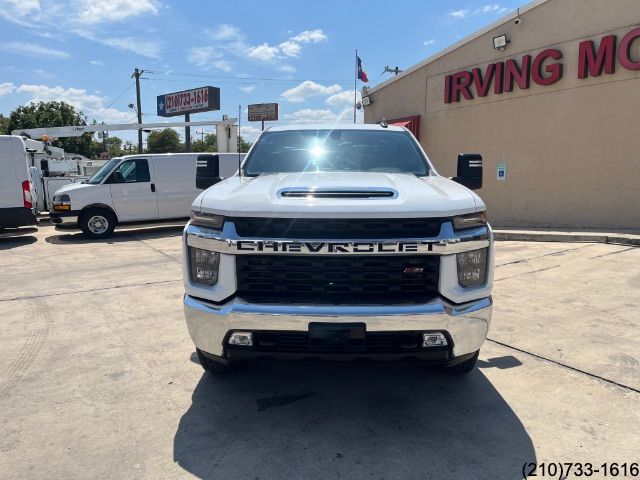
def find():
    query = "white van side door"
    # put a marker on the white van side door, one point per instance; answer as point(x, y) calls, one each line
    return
point(176, 181)
point(133, 190)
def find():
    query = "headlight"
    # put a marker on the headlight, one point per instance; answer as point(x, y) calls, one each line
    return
point(61, 203)
point(203, 265)
point(208, 220)
point(472, 220)
point(472, 268)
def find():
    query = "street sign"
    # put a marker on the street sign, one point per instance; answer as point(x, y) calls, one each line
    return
point(202, 99)
point(263, 112)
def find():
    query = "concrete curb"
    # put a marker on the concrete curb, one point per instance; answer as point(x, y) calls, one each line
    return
point(569, 237)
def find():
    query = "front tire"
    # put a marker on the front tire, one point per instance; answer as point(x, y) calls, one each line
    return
point(465, 367)
point(211, 366)
point(97, 223)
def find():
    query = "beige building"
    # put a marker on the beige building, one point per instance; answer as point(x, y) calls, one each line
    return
point(553, 107)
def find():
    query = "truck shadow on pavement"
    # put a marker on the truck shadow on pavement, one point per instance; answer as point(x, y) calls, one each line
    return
point(350, 420)
point(7, 243)
point(147, 233)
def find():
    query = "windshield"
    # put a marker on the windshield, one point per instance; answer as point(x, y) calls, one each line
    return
point(336, 151)
point(104, 171)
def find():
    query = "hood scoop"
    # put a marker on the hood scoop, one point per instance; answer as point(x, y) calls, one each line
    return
point(338, 193)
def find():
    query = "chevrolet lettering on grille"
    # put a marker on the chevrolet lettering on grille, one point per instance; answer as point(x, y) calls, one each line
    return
point(351, 248)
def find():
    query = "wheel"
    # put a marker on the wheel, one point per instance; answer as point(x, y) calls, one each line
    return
point(97, 223)
point(465, 367)
point(211, 366)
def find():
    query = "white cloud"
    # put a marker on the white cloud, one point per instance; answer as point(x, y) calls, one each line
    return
point(226, 32)
point(223, 65)
point(309, 115)
point(429, 42)
point(97, 63)
point(290, 49)
point(247, 88)
point(148, 49)
point(92, 12)
point(6, 88)
point(494, 7)
point(341, 98)
point(310, 36)
point(263, 53)
point(92, 105)
point(286, 68)
point(229, 38)
point(203, 56)
point(34, 50)
point(249, 132)
point(308, 89)
point(458, 14)
point(20, 11)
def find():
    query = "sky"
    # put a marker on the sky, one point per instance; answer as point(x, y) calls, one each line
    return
point(297, 53)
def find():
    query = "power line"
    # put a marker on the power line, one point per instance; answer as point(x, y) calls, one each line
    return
point(116, 99)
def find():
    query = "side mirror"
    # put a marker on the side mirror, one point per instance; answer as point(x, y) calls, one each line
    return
point(469, 170)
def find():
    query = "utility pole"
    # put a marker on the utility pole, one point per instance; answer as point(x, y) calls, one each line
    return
point(136, 75)
point(187, 134)
point(104, 141)
point(201, 133)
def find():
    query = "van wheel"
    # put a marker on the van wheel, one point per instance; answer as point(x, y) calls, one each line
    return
point(213, 367)
point(465, 367)
point(97, 223)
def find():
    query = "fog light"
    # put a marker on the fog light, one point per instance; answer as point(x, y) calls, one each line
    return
point(244, 339)
point(433, 340)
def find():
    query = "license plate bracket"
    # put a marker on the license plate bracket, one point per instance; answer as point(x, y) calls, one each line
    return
point(337, 337)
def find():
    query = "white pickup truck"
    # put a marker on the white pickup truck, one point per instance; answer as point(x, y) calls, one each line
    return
point(339, 243)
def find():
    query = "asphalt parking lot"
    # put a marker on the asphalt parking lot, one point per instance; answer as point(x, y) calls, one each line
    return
point(98, 376)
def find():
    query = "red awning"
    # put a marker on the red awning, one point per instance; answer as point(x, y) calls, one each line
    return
point(410, 123)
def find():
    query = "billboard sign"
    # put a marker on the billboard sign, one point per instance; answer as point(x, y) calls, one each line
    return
point(203, 99)
point(263, 112)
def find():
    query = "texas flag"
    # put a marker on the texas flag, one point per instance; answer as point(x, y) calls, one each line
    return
point(362, 75)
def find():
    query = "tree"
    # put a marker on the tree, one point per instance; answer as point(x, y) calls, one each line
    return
point(114, 146)
point(53, 114)
point(127, 148)
point(4, 125)
point(164, 141)
point(244, 145)
point(209, 144)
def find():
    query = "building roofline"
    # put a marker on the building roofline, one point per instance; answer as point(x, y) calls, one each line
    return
point(508, 17)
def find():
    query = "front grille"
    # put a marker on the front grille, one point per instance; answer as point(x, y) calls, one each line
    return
point(375, 342)
point(338, 280)
point(342, 228)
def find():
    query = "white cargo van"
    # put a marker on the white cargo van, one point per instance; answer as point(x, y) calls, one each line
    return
point(139, 188)
point(17, 193)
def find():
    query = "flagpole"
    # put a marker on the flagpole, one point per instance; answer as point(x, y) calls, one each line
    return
point(355, 88)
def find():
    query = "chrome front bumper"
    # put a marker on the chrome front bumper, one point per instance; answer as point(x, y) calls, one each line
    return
point(467, 324)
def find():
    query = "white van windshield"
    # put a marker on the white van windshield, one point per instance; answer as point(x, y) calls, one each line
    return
point(337, 150)
point(103, 172)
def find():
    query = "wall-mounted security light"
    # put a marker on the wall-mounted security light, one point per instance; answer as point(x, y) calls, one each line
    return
point(500, 42)
point(366, 101)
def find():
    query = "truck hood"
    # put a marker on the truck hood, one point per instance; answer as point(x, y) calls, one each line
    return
point(351, 194)
point(71, 187)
